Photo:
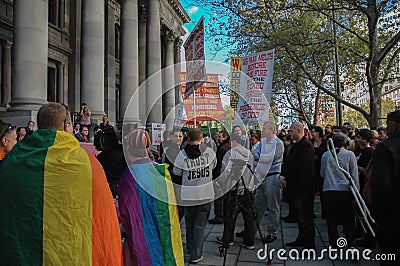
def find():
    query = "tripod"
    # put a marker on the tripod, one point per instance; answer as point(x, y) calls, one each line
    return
point(233, 204)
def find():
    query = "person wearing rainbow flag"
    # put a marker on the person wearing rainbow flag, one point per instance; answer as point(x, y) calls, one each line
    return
point(56, 207)
point(147, 207)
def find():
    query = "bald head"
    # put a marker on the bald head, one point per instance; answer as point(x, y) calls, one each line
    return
point(296, 130)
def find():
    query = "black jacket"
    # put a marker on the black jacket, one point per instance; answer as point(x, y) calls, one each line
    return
point(221, 150)
point(385, 179)
point(298, 168)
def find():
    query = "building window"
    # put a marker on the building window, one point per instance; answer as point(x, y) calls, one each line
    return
point(117, 42)
point(51, 84)
point(53, 12)
point(117, 103)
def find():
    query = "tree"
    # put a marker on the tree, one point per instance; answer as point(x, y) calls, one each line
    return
point(305, 35)
point(358, 120)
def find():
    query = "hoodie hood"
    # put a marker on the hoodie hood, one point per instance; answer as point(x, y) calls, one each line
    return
point(194, 151)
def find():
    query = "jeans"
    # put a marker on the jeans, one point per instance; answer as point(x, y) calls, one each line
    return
point(196, 219)
point(269, 194)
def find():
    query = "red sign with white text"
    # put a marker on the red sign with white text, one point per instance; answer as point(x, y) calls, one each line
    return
point(208, 101)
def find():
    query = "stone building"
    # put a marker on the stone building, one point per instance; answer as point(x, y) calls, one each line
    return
point(92, 51)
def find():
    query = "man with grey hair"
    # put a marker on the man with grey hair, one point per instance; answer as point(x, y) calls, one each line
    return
point(269, 154)
point(298, 172)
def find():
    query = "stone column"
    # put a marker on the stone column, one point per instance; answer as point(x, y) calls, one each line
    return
point(129, 61)
point(92, 63)
point(169, 81)
point(60, 82)
point(30, 55)
point(154, 84)
point(110, 82)
point(178, 69)
point(142, 62)
point(6, 75)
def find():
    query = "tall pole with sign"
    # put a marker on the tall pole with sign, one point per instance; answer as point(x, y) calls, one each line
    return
point(196, 73)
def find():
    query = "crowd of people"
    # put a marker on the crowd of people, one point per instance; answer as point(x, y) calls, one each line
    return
point(238, 172)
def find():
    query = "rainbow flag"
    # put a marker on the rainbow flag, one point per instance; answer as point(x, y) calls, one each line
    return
point(55, 205)
point(148, 213)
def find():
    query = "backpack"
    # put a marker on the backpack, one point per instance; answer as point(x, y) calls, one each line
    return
point(107, 138)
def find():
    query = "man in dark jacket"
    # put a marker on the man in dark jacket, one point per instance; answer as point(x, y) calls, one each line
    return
point(298, 175)
point(223, 147)
point(385, 180)
point(169, 156)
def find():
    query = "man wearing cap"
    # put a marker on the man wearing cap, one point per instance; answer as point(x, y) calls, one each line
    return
point(385, 177)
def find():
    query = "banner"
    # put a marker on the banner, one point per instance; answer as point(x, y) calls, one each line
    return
point(255, 87)
point(195, 59)
point(208, 101)
point(236, 67)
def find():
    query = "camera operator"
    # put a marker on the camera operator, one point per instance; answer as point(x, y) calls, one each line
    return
point(235, 164)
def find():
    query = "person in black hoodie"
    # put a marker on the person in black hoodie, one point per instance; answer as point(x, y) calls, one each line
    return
point(195, 164)
point(111, 156)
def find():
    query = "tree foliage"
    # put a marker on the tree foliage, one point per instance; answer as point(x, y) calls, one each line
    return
point(359, 121)
point(305, 34)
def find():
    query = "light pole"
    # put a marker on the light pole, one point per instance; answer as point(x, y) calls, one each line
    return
point(336, 69)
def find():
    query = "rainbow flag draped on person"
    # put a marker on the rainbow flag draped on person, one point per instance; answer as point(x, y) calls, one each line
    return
point(55, 205)
point(149, 215)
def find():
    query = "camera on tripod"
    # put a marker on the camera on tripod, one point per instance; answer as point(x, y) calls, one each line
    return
point(240, 197)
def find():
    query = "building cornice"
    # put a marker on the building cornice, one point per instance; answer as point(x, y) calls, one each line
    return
point(180, 11)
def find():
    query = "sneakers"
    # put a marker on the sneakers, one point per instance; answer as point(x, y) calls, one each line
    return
point(251, 247)
point(270, 238)
point(220, 240)
point(195, 261)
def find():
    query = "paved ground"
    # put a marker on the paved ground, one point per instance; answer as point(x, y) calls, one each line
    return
point(241, 256)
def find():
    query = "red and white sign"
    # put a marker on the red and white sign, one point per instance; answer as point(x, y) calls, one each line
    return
point(208, 101)
point(195, 59)
point(255, 87)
